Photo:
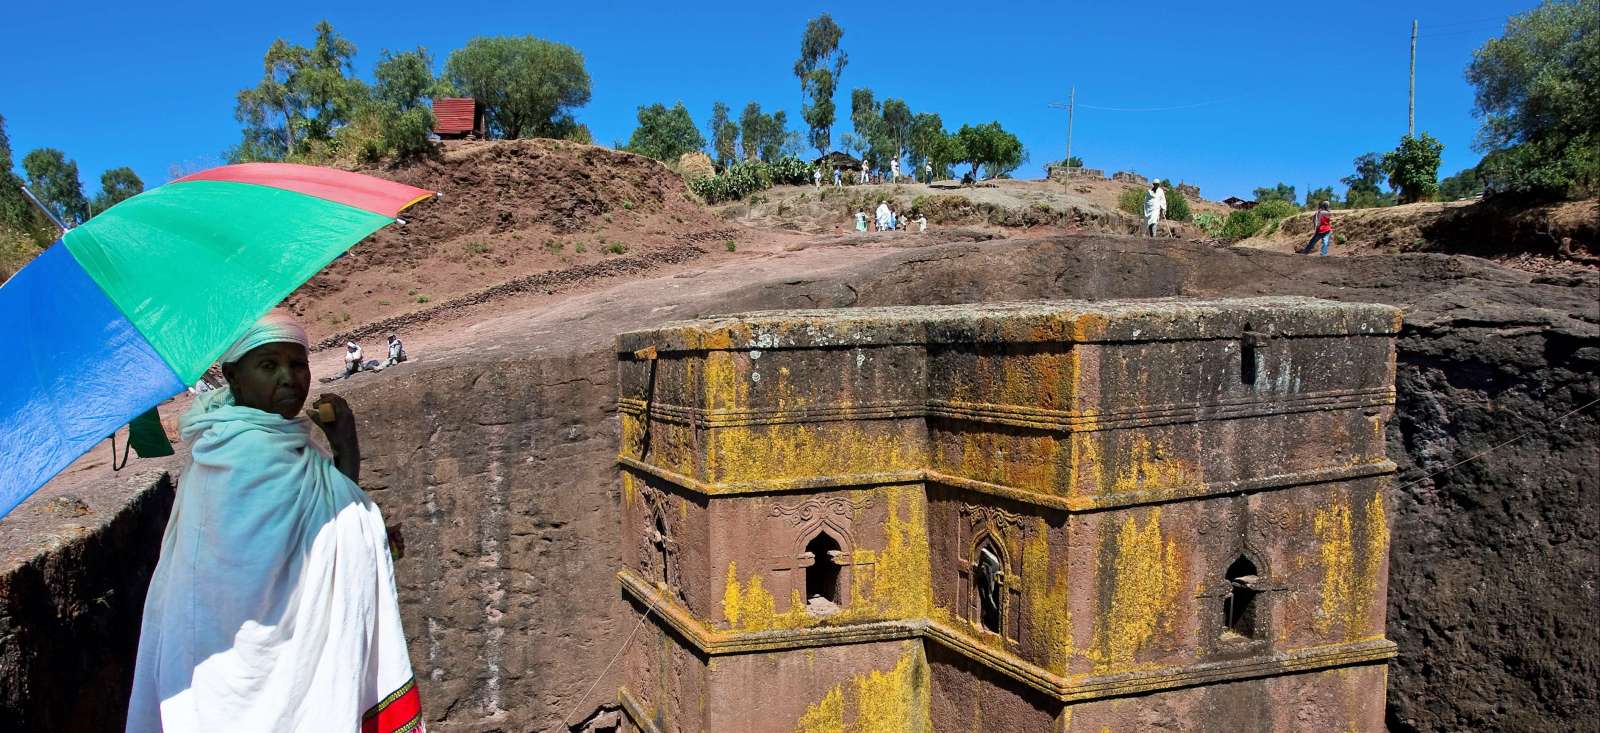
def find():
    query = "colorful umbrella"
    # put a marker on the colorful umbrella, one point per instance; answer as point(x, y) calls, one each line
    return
point(134, 305)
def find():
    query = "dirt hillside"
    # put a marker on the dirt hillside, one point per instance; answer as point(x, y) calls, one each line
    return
point(510, 209)
point(1079, 205)
point(1539, 238)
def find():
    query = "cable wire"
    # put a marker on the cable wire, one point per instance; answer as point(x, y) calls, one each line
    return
point(566, 720)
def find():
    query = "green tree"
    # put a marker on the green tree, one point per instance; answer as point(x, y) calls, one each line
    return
point(1538, 94)
point(1318, 195)
point(897, 119)
point(724, 135)
point(304, 95)
point(1464, 184)
point(16, 214)
point(763, 134)
point(930, 142)
point(54, 180)
point(405, 80)
point(665, 134)
point(117, 185)
point(1364, 188)
point(871, 133)
point(819, 67)
point(1414, 168)
point(526, 86)
point(1280, 192)
point(990, 146)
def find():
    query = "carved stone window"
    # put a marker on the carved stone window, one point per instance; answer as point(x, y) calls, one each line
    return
point(1239, 606)
point(988, 577)
point(822, 575)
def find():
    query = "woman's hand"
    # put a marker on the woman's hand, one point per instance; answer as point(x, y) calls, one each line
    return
point(341, 432)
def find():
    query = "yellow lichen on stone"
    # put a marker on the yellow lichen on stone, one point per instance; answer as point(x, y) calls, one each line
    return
point(731, 597)
point(826, 716)
point(1147, 466)
point(1049, 616)
point(902, 578)
point(896, 700)
point(1331, 525)
point(1146, 578)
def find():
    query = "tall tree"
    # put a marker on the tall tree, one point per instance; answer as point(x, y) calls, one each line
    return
point(54, 179)
point(866, 118)
point(665, 134)
point(117, 185)
point(1414, 168)
point(724, 135)
point(405, 80)
point(763, 134)
point(819, 67)
point(930, 143)
point(304, 95)
point(15, 211)
point(527, 87)
point(1538, 94)
point(1363, 189)
point(1318, 195)
point(897, 125)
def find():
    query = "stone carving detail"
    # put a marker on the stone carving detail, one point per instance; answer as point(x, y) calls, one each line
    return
point(994, 516)
point(812, 509)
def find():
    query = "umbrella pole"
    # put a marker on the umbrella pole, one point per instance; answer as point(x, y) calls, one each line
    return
point(41, 207)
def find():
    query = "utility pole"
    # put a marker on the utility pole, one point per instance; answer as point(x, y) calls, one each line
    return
point(1071, 107)
point(1411, 101)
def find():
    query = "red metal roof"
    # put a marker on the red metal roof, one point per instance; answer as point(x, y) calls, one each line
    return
point(453, 115)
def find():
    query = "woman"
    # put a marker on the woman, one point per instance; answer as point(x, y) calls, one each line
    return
point(273, 605)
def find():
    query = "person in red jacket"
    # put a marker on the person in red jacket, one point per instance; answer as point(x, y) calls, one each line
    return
point(1321, 229)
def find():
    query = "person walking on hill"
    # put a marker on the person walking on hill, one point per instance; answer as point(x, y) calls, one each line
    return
point(927, 167)
point(1321, 229)
point(866, 175)
point(883, 214)
point(838, 177)
point(1155, 206)
point(816, 177)
point(894, 171)
point(861, 220)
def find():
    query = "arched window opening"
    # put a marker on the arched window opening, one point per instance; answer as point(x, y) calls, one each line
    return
point(1239, 606)
point(989, 579)
point(1247, 355)
point(822, 576)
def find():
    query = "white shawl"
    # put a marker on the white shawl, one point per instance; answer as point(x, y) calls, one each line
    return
point(273, 606)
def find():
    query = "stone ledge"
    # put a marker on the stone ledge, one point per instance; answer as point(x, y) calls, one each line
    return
point(1025, 496)
point(1075, 421)
point(635, 711)
point(1073, 689)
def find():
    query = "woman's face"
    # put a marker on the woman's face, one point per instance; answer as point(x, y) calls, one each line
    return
point(273, 378)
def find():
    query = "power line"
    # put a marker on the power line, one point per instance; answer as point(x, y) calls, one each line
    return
point(1157, 109)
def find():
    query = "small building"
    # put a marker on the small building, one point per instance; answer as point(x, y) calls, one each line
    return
point(457, 117)
point(1234, 202)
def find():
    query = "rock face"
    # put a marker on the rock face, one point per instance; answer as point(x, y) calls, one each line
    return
point(499, 470)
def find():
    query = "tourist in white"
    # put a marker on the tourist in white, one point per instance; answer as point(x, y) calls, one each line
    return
point(894, 170)
point(883, 214)
point(273, 606)
point(1155, 206)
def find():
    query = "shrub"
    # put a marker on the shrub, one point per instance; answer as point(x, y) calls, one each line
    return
point(748, 176)
point(616, 248)
point(1210, 223)
point(1240, 224)
point(1132, 201)
point(731, 245)
point(1178, 206)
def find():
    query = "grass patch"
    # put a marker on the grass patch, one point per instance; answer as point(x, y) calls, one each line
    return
point(616, 248)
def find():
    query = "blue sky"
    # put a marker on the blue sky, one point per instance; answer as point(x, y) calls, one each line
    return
point(1290, 92)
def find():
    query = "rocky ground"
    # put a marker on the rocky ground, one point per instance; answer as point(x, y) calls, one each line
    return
point(493, 452)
